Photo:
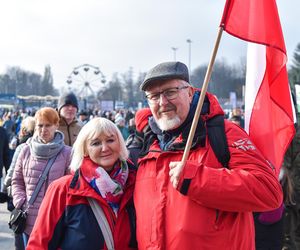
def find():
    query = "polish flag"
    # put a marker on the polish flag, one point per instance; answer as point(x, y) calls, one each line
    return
point(269, 111)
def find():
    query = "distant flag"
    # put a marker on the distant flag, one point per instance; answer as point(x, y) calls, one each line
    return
point(269, 112)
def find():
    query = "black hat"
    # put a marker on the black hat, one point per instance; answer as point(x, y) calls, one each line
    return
point(83, 112)
point(164, 71)
point(67, 99)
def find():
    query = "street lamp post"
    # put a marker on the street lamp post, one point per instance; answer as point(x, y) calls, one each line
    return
point(189, 41)
point(174, 52)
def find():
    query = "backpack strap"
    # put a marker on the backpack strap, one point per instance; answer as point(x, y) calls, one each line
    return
point(103, 223)
point(43, 177)
point(217, 139)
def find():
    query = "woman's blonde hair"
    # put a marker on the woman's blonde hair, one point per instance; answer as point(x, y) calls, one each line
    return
point(94, 128)
point(28, 125)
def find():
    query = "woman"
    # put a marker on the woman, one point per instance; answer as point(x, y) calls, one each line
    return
point(47, 143)
point(101, 173)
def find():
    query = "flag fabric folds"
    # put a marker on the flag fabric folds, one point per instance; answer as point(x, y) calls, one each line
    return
point(269, 112)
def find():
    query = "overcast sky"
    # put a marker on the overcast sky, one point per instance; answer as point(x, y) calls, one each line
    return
point(117, 34)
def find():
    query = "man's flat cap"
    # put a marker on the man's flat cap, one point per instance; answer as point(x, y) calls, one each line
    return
point(165, 71)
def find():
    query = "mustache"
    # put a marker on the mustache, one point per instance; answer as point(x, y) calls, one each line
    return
point(166, 108)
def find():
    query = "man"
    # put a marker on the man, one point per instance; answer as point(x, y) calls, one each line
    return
point(134, 142)
point(84, 117)
point(291, 165)
point(204, 206)
point(236, 119)
point(4, 158)
point(8, 125)
point(68, 124)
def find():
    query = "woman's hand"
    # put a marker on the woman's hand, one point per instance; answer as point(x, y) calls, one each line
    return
point(176, 168)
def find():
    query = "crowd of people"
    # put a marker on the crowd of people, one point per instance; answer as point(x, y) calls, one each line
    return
point(115, 180)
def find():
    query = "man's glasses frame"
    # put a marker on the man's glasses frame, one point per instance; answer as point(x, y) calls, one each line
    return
point(170, 94)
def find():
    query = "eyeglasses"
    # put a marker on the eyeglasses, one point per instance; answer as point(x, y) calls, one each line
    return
point(170, 94)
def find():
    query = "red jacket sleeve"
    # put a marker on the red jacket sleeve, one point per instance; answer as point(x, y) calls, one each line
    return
point(50, 212)
point(249, 184)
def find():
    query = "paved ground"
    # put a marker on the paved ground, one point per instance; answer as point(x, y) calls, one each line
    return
point(6, 235)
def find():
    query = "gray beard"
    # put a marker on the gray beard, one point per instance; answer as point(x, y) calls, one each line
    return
point(166, 124)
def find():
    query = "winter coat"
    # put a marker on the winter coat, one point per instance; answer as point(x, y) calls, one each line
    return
point(4, 150)
point(26, 175)
point(292, 164)
point(70, 131)
point(124, 131)
point(212, 205)
point(8, 125)
point(8, 177)
point(134, 144)
point(71, 223)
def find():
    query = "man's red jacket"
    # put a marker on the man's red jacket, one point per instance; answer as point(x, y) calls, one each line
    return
point(212, 206)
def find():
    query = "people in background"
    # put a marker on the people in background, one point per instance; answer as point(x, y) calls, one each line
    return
point(131, 126)
point(134, 142)
point(291, 164)
point(83, 117)
point(26, 132)
point(120, 122)
point(68, 124)
point(8, 124)
point(236, 119)
point(4, 154)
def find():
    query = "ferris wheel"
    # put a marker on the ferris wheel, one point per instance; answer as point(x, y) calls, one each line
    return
point(86, 80)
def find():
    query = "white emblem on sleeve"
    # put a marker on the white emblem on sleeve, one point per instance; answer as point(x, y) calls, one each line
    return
point(244, 144)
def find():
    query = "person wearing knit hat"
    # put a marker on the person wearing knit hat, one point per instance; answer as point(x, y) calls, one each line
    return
point(67, 108)
point(67, 99)
point(120, 122)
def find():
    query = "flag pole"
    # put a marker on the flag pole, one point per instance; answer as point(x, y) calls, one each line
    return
point(201, 99)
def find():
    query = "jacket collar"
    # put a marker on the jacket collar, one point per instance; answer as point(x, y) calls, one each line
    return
point(80, 187)
point(63, 122)
point(166, 138)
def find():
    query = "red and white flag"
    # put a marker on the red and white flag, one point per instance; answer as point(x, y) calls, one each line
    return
point(269, 112)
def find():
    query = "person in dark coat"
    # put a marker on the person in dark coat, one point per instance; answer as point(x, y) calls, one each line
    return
point(134, 142)
point(4, 153)
point(291, 163)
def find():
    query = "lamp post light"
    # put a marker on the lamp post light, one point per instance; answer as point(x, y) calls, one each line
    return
point(174, 52)
point(189, 41)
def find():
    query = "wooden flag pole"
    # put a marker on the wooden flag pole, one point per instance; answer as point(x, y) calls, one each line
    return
point(201, 99)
